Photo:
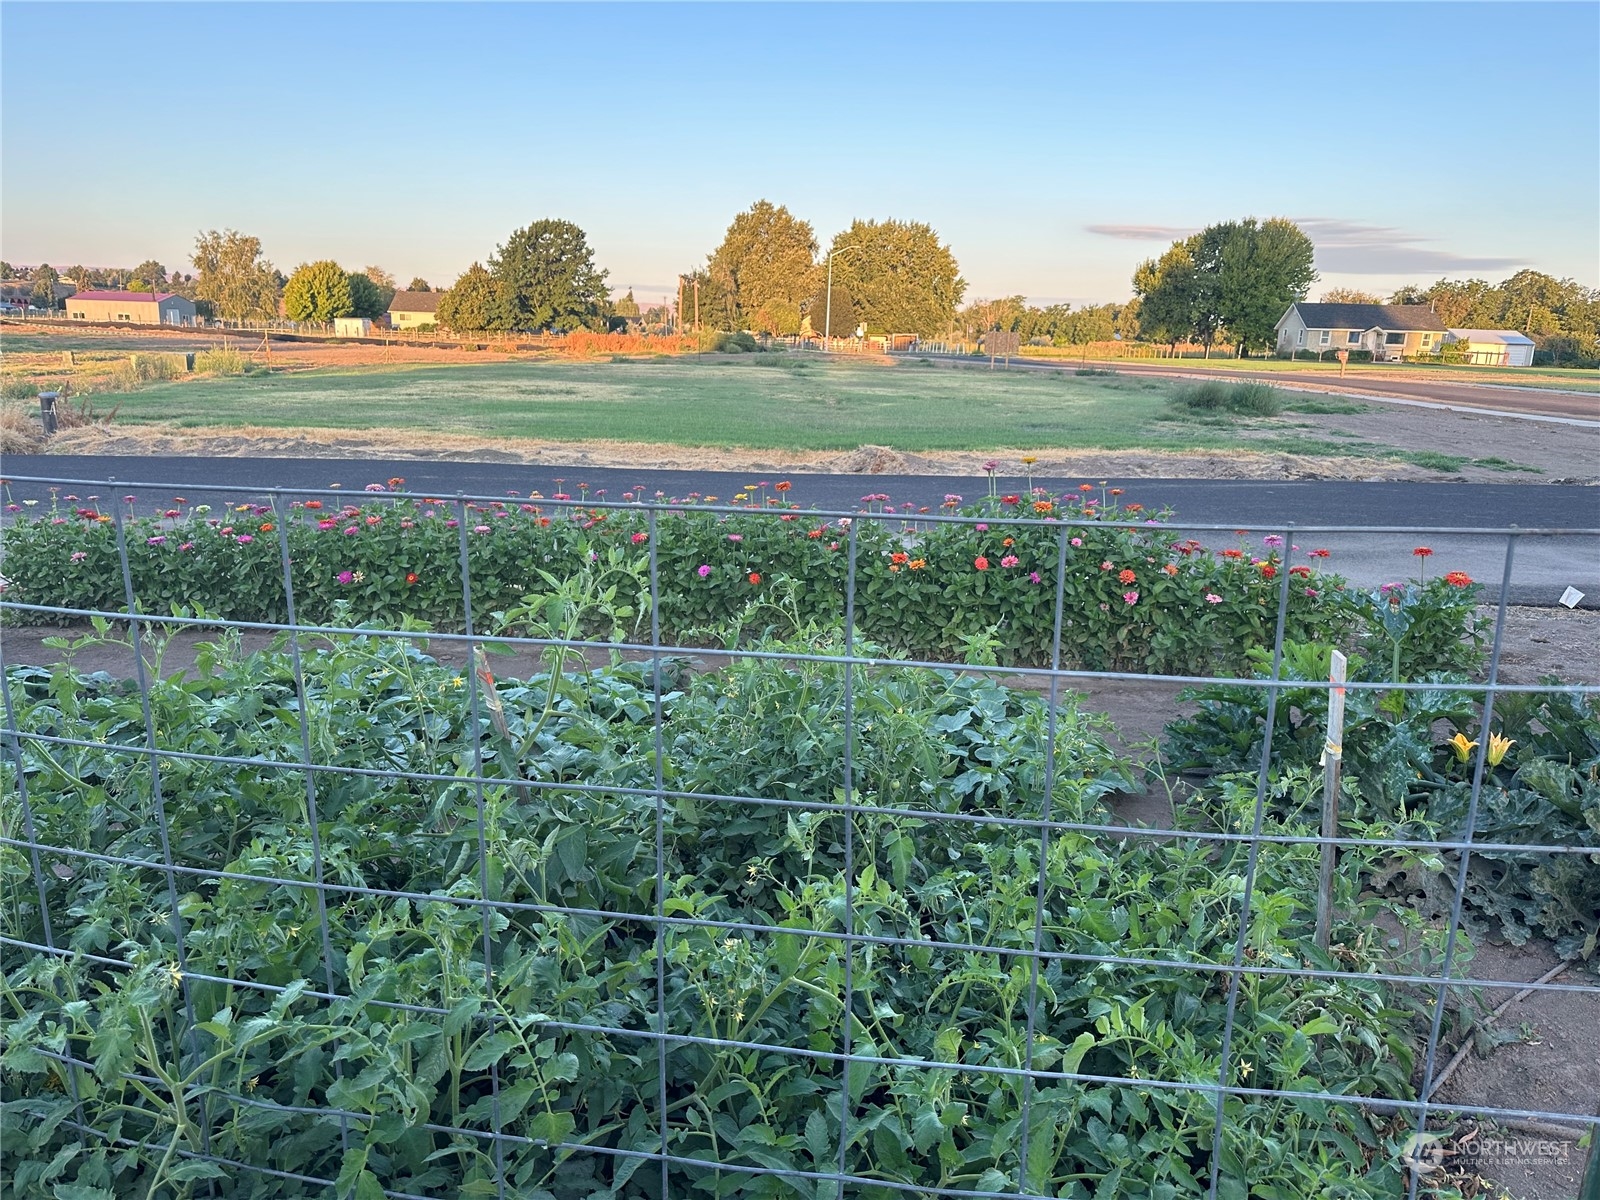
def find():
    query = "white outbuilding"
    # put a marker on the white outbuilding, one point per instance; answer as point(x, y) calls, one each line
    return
point(1493, 347)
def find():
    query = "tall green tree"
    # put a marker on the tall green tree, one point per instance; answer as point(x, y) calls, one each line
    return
point(1167, 289)
point(902, 278)
point(44, 286)
point(547, 279)
point(1250, 272)
point(472, 303)
point(367, 299)
point(1236, 277)
point(842, 312)
point(1348, 295)
point(152, 273)
point(233, 277)
point(765, 268)
point(318, 291)
point(418, 284)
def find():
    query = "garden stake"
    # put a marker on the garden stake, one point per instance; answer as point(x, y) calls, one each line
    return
point(1332, 757)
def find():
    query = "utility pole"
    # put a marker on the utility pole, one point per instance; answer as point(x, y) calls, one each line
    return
point(697, 306)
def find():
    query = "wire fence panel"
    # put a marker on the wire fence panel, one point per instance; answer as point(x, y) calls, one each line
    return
point(770, 878)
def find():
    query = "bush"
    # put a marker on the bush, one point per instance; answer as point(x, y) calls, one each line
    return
point(1221, 395)
point(721, 342)
point(221, 361)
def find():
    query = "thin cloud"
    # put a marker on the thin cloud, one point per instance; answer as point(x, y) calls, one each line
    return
point(1392, 260)
point(1347, 247)
point(1142, 233)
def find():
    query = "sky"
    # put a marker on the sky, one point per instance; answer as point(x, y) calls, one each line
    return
point(1052, 146)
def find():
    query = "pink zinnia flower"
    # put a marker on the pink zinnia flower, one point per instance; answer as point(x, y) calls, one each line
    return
point(480, 529)
point(1130, 597)
point(1033, 577)
point(639, 537)
point(1213, 598)
point(703, 570)
point(352, 530)
point(79, 555)
point(244, 539)
point(344, 577)
point(1010, 560)
point(374, 519)
point(1076, 542)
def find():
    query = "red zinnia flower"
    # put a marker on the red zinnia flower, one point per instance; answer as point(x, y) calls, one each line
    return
point(1268, 570)
point(1423, 552)
point(1233, 554)
point(981, 563)
point(783, 485)
point(411, 577)
point(1010, 499)
point(1458, 579)
point(755, 576)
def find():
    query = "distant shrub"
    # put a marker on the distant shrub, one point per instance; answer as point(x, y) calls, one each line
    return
point(721, 342)
point(1221, 395)
point(222, 361)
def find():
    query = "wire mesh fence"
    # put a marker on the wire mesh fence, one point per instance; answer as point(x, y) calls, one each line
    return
point(785, 913)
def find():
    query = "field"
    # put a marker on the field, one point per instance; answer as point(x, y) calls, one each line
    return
point(772, 402)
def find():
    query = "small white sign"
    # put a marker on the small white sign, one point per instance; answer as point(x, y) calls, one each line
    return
point(1572, 597)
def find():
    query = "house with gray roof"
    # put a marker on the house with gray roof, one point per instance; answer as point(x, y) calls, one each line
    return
point(408, 310)
point(1389, 332)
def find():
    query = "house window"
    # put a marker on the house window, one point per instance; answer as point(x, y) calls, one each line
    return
point(1394, 339)
point(1324, 337)
point(1427, 340)
point(1300, 338)
point(1353, 338)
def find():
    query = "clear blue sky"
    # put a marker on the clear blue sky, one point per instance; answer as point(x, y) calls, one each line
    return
point(1053, 146)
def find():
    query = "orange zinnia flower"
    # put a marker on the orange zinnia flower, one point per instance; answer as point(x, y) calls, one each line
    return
point(1126, 576)
point(981, 563)
point(783, 485)
point(1458, 579)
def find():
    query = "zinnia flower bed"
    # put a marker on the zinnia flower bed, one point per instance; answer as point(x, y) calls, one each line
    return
point(1136, 594)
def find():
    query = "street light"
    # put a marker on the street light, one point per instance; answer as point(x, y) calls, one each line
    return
point(827, 305)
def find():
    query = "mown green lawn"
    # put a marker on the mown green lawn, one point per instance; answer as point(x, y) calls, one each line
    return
point(759, 402)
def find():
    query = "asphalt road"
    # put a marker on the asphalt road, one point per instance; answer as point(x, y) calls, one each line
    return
point(1352, 516)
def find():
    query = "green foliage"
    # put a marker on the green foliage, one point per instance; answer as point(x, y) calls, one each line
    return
point(222, 361)
point(546, 280)
point(837, 307)
point(1245, 398)
point(319, 291)
point(561, 844)
point(233, 277)
point(472, 303)
point(44, 290)
point(765, 267)
point(418, 284)
point(367, 299)
point(1236, 277)
point(901, 277)
point(1399, 766)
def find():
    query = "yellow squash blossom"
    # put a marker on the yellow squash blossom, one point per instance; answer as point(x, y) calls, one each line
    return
point(1462, 747)
point(1497, 748)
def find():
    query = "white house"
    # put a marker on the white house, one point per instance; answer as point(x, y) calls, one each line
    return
point(1493, 347)
point(352, 327)
point(1389, 332)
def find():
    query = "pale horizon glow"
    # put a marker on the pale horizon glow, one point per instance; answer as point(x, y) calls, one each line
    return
point(1053, 147)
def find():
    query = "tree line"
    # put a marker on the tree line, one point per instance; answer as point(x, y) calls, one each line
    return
point(769, 274)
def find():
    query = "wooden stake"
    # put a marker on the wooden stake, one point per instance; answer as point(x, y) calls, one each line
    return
point(1332, 756)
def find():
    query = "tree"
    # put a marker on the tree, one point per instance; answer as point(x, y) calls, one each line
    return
point(318, 291)
point(80, 277)
point(842, 312)
point(1167, 290)
point(547, 280)
point(152, 273)
point(367, 299)
point(983, 315)
point(1344, 295)
point(902, 278)
point(472, 304)
point(1410, 294)
point(7, 271)
point(418, 284)
point(233, 277)
point(1236, 277)
point(765, 267)
point(384, 282)
point(1250, 273)
point(44, 287)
